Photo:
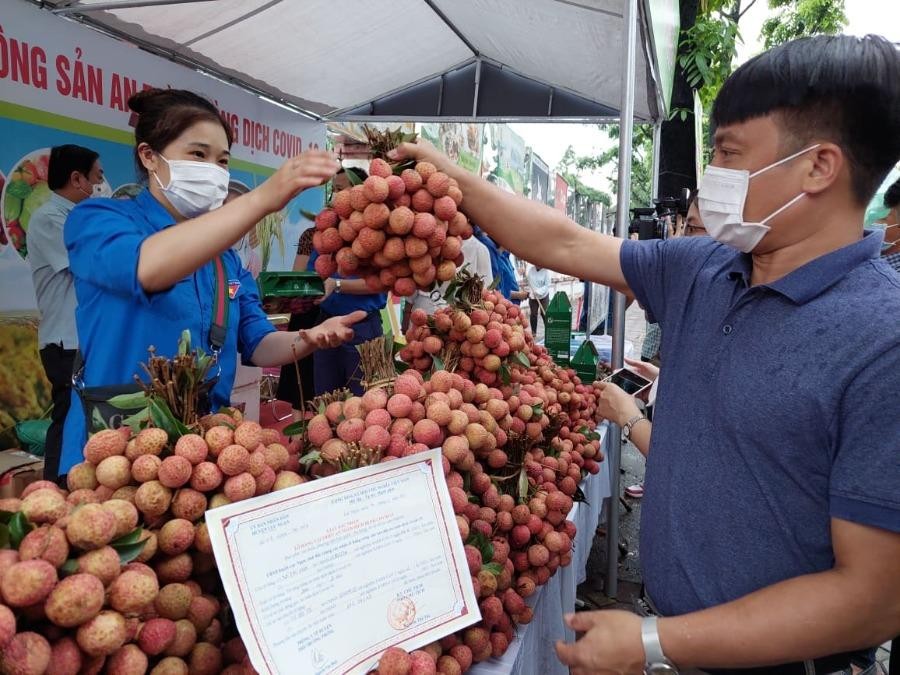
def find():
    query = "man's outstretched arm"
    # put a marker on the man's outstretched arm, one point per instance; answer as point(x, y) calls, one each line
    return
point(529, 229)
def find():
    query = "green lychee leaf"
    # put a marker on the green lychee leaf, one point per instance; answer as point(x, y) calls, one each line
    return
point(136, 421)
point(494, 568)
point(494, 284)
point(163, 418)
point(482, 543)
point(437, 363)
point(129, 552)
point(129, 401)
point(314, 457)
point(309, 215)
point(69, 567)
point(322, 408)
point(521, 359)
point(18, 528)
point(352, 178)
point(4, 536)
point(523, 485)
point(184, 343)
point(6, 516)
point(126, 539)
point(579, 496)
point(505, 375)
point(297, 428)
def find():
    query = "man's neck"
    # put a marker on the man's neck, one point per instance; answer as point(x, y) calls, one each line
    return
point(72, 194)
point(834, 234)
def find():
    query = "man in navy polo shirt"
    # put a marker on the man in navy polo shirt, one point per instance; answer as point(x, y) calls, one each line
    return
point(781, 335)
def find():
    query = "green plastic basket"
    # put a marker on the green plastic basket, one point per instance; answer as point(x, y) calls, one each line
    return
point(32, 435)
point(277, 289)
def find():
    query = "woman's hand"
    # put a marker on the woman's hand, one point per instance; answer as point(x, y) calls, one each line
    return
point(643, 368)
point(615, 404)
point(332, 332)
point(306, 170)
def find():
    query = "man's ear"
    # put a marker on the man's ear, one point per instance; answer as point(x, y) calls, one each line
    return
point(828, 161)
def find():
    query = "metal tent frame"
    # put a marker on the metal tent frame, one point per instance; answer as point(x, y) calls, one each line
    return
point(430, 92)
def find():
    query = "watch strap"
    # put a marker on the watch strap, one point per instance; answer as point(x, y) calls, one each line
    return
point(653, 652)
point(629, 425)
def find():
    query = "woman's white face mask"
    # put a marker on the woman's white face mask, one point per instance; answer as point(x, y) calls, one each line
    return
point(194, 187)
point(720, 200)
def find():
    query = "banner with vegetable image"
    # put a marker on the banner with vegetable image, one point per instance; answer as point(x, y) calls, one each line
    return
point(61, 82)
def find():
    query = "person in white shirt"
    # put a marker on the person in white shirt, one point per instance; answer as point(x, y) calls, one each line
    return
point(74, 173)
point(538, 294)
point(478, 259)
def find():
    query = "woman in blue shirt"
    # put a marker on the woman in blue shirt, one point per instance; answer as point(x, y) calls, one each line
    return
point(144, 268)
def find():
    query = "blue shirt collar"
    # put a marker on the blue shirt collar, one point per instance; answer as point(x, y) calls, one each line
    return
point(153, 211)
point(816, 276)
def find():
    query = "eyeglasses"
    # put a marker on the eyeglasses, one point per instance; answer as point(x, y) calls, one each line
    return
point(694, 230)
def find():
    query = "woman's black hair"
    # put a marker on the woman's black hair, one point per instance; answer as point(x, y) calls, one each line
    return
point(833, 87)
point(162, 115)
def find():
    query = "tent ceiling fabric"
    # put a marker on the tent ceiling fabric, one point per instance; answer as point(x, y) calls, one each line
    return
point(362, 58)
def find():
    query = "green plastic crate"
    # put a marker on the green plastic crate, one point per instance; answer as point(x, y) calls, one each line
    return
point(277, 289)
point(585, 362)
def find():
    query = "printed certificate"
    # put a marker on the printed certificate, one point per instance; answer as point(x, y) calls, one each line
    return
point(324, 576)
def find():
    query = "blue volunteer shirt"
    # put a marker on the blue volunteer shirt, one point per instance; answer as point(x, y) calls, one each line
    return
point(338, 304)
point(773, 417)
point(117, 320)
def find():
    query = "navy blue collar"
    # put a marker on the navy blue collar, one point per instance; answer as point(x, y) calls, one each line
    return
point(816, 276)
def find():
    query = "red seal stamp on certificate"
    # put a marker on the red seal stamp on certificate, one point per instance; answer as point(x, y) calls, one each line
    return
point(401, 613)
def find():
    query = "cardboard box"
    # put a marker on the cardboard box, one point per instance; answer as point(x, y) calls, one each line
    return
point(18, 469)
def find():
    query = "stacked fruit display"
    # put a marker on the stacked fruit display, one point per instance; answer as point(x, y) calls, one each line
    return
point(399, 228)
point(116, 574)
point(513, 457)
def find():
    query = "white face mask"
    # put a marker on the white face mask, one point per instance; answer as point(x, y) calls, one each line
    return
point(194, 187)
point(721, 196)
point(102, 190)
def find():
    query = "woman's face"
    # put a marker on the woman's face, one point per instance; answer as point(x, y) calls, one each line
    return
point(202, 142)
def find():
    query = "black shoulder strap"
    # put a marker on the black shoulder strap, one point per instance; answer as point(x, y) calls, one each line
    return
point(218, 328)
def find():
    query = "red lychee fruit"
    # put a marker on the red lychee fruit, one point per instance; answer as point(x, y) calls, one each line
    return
point(327, 218)
point(325, 266)
point(422, 201)
point(376, 216)
point(358, 199)
point(437, 184)
point(371, 240)
point(340, 202)
point(412, 179)
point(424, 225)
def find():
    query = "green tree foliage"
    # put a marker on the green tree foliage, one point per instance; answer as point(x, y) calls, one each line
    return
point(796, 18)
point(708, 48)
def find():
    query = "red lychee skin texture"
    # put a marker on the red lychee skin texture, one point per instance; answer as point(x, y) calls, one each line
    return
point(412, 179)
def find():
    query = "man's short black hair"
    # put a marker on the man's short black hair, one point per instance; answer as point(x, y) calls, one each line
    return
point(64, 159)
point(892, 195)
point(832, 87)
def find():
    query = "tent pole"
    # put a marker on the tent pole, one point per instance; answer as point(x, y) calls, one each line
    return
point(657, 142)
point(626, 129)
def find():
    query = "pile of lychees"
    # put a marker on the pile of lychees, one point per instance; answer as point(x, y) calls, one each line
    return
point(399, 232)
point(514, 448)
point(116, 574)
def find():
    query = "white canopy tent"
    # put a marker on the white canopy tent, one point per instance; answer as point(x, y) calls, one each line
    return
point(405, 59)
point(474, 60)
